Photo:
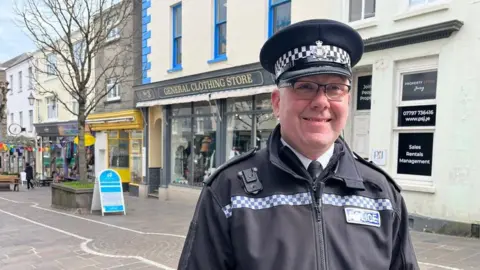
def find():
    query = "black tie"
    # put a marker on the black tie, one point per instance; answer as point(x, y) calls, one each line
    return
point(314, 169)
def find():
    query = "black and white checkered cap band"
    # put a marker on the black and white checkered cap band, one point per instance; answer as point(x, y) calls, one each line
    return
point(318, 52)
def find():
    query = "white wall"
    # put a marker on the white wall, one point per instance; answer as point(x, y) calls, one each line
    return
point(18, 99)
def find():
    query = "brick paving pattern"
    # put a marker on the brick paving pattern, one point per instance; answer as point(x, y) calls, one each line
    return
point(150, 236)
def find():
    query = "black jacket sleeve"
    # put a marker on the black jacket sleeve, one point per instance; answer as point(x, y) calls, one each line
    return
point(207, 245)
point(403, 257)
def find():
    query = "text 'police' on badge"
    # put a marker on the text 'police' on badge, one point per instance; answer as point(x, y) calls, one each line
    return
point(362, 216)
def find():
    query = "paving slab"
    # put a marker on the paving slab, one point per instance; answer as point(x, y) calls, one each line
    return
point(150, 236)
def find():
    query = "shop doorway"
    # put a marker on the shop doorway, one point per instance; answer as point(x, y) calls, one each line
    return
point(362, 86)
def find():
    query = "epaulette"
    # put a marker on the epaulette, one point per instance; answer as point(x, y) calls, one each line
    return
point(229, 163)
point(372, 165)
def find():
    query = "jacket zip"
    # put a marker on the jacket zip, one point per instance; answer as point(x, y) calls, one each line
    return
point(318, 227)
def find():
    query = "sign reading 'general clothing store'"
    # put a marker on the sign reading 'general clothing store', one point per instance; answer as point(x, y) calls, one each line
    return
point(205, 85)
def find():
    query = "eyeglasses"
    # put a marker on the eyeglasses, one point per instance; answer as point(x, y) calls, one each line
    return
point(309, 90)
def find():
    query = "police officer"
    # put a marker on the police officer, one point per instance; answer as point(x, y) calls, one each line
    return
point(306, 201)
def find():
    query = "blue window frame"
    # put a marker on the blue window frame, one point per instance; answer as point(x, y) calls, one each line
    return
point(177, 36)
point(220, 42)
point(279, 15)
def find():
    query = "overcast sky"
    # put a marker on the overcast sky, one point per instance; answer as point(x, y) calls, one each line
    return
point(13, 40)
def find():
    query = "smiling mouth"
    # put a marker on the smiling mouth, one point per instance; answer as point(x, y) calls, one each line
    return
point(317, 120)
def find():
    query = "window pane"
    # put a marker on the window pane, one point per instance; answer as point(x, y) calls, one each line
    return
point(136, 156)
point(281, 16)
point(239, 104)
point(204, 154)
point(222, 38)
point(278, 1)
point(123, 135)
point(181, 150)
point(178, 21)
point(203, 107)
point(263, 102)
point(355, 10)
point(369, 9)
point(265, 124)
point(178, 51)
point(239, 135)
point(221, 11)
point(118, 153)
point(181, 109)
point(418, 2)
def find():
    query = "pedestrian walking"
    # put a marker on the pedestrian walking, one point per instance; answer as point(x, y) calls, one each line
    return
point(306, 201)
point(29, 175)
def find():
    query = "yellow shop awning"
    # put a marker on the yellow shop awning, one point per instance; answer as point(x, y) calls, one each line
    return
point(128, 119)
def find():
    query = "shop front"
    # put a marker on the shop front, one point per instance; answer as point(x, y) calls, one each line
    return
point(120, 134)
point(58, 151)
point(209, 118)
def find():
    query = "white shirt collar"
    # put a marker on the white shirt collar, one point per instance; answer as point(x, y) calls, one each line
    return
point(323, 159)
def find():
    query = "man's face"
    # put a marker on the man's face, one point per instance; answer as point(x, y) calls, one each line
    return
point(311, 123)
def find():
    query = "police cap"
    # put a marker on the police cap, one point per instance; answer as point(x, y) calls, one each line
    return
point(311, 47)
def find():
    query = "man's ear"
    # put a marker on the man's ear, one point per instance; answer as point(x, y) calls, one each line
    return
point(276, 102)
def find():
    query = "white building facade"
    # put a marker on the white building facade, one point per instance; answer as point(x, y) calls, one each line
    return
point(20, 114)
point(412, 109)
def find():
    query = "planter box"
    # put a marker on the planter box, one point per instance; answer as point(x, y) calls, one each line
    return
point(73, 199)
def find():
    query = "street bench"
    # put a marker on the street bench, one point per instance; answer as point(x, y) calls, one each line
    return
point(10, 180)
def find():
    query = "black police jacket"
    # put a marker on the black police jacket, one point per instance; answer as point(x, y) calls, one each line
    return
point(262, 211)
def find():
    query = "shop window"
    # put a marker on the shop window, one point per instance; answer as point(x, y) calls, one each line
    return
point(136, 146)
point(415, 123)
point(240, 104)
point(241, 136)
point(279, 15)
point(181, 109)
point(361, 9)
point(118, 149)
point(181, 149)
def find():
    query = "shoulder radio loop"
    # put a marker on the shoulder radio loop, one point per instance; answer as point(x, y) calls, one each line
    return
point(251, 183)
point(227, 164)
point(378, 169)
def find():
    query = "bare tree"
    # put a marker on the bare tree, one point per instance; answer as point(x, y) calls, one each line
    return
point(69, 34)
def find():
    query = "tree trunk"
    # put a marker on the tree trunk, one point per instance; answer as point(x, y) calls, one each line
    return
point(82, 160)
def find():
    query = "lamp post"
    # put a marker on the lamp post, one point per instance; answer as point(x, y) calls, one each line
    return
point(31, 101)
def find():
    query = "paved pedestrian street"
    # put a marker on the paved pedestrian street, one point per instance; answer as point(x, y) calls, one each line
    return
point(35, 236)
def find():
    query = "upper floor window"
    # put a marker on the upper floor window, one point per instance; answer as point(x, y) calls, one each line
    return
point(177, 35)
point(220, 28)
point(79, 52)
point(11, 118)
point(10, 84)
point(421, 2)
point(113, 89)
point(30, 120)
point(113, 28)
point(51, 64)
point(30, 78)
point(20, 78)
point(20, 117)
point(279, 15)
point(361, 9)
point(52, 108)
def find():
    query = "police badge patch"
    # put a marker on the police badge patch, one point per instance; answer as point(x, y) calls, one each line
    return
point(363, 216)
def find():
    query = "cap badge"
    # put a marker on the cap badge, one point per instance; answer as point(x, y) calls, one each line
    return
point(318, 51)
